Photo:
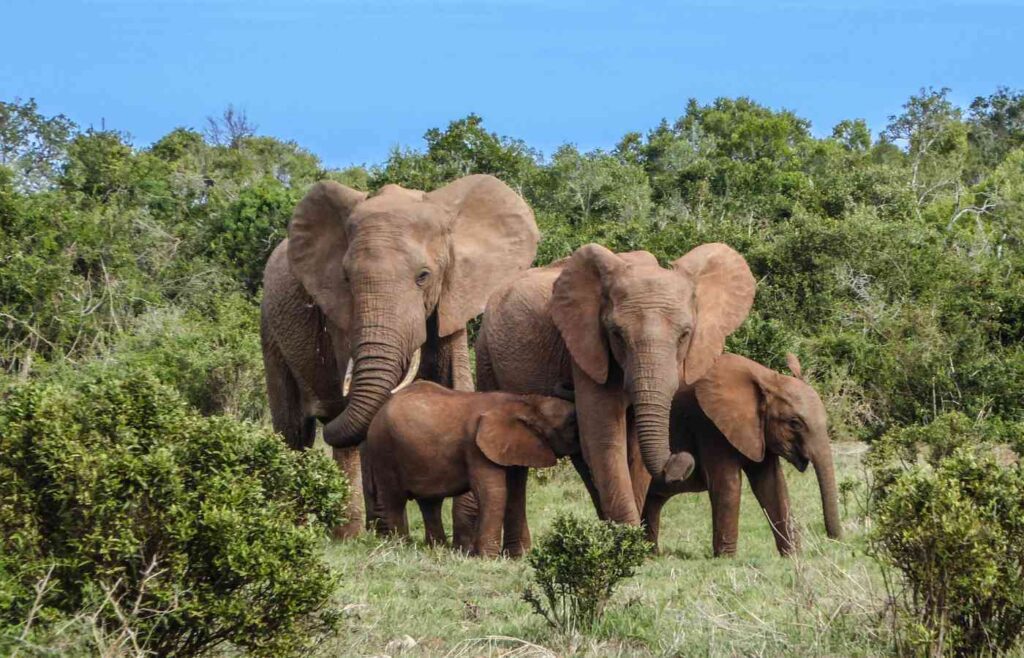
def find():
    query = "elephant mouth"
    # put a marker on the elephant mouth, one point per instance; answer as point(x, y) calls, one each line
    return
point(801, 463)
point(410, 374)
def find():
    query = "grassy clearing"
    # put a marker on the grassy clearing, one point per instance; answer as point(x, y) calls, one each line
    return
point(683, 603)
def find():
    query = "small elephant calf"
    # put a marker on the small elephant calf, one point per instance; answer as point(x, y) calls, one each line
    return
point(429, 443)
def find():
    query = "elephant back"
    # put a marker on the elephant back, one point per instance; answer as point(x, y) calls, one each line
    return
point(516, 322)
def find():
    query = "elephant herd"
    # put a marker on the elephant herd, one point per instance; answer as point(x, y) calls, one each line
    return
point(610, 359)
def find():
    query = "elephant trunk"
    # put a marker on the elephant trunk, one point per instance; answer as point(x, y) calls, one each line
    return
point(825, 471)
point(651, 413)
point(652, 403)
point(378, 365)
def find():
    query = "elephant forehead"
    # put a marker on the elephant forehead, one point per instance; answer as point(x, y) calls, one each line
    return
point(802, 399)
point(810, 404)
point(401, 209)
point(650, 285)
point(419, 225)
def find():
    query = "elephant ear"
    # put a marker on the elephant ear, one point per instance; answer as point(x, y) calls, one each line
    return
point(317, 240)
point(732, 397)
point(576, 301)
point(723, 295)
point(793, 363)
point(507, 441)
point(494, 237)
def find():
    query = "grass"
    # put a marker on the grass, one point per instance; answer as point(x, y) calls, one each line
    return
point(827, 601)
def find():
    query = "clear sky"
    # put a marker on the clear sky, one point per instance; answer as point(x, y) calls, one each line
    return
point(349, 80)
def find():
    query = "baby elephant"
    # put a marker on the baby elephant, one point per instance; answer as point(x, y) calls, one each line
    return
point(743, 418)
point(429, 443)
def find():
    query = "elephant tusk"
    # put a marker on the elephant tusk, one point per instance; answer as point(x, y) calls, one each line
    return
point(410, 375)
point(347, 382)
point(414, 368)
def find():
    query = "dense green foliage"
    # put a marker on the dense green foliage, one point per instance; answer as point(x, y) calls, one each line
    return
point(892, 266)
point(577, 566)
point(194, 531)
point(949, 519)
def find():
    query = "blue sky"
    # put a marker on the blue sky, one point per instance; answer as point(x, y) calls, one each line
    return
point(349, 80)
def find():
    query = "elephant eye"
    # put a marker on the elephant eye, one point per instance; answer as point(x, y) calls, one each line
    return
point(795, 423)
point(422, 277)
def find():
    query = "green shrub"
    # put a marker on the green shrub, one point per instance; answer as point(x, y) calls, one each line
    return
point(241, 236)
point(197, 532)
point(577, 566)
point(212, 357)
point(950, 520)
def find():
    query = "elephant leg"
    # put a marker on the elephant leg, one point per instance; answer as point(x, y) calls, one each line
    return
point(348, 463)
point(464, 520)
point(485, 379)
point(769, 486)
point(287, 413)
point(431, 510)
point(489, 485)
point(601, 415)
point(516, 540)
point(445, 360)
point(724, 490)
point(588, 482)
point(396, 521)
point(652, 518)
point(461, 375)
point(375, 521)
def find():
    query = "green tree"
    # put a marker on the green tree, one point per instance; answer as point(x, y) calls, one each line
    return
point(596, 186)
point(996, 125)
point(32, 145)
point(936, 142)
point(463, 148)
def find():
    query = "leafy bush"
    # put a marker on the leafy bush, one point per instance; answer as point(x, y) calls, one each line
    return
point(241, 236)
point(200, 531)
point(577, 565)
point(212, 358)
point(950, 522)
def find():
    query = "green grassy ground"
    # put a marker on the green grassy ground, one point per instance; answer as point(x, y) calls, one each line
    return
point(826, 602)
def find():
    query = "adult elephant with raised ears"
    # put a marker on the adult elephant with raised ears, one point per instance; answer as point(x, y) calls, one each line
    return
point(381, 287)
point(621, 330)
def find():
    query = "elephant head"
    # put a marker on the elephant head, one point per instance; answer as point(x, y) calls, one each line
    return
point(650, 326)
point(380, 266)
point(759, 410)
point(531, 431)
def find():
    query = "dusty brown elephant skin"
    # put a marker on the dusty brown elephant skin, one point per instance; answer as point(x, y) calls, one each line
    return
point(428, 443)
point(373, 279)
point(621, 330)
point(742, 418)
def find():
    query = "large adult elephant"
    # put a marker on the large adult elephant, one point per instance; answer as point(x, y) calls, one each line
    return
point(742, 418)
point(376, 285)
point(622, 331)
